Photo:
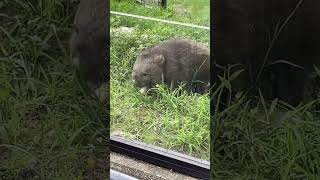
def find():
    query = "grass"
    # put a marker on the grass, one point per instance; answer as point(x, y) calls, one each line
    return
point(191, 11)
point(199, 9)
point(49, 127)
point(258, 139)
point(177, 122)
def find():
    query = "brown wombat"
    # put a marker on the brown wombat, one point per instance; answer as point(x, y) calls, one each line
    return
point(248, 32)
point(89, 44)
point(173, 61)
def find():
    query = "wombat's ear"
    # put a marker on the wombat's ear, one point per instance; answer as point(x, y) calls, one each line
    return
point(159, 59)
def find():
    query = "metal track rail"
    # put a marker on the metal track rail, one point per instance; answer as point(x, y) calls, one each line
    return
point(178, 162)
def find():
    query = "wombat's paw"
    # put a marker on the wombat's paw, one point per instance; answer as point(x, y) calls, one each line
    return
point(103, 93)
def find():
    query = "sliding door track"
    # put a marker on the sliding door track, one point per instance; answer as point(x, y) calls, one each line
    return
point(161, 157)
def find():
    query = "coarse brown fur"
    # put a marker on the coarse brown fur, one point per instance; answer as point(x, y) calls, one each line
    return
point(89, 43)
point(173, 61)
point(247, 32)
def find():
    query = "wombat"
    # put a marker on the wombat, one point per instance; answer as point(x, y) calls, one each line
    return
point(172, 62)
point(89, 45)
point(275, 41)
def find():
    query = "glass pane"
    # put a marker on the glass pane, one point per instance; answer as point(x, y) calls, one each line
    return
point(175, 119)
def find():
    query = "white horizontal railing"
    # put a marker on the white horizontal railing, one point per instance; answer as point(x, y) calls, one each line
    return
point(159, 20)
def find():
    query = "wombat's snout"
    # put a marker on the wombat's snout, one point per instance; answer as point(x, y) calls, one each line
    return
point(144, 90)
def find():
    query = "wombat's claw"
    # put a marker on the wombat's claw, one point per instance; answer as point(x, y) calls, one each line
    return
point(143, 91)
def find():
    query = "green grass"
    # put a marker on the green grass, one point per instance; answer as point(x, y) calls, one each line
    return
point(177, 122)
point(193, 11)
point(257, 139)
point(49, 127)
point(199, 9)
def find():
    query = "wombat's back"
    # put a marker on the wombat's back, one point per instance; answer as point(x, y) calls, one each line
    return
point(186, 60)
point(91, 10)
